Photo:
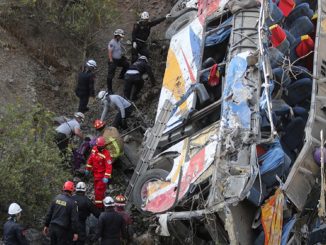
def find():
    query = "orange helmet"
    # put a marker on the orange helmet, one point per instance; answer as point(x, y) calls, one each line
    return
point(100, 141)
point(68, 186)
point(99, 124)
point(120, 200)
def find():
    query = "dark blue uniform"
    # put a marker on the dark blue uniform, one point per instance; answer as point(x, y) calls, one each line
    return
point(111, 227)
point(85, 89)
point(13, 233)
point(62, 218)
point(135, 79)
point(140, 34)
point(85, 208)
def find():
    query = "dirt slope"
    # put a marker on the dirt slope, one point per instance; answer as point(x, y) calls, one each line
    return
point(18, 71)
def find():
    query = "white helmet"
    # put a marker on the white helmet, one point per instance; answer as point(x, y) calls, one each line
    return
point(81, 186)
point(144, 16)
point(91, 63)
point(119, 32)
point(14, 209)
point(108, 202)
point(101, 95)
point(79, 115)
point(143, 57)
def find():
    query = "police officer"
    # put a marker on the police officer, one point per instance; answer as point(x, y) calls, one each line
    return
point(140, 34)
point(133, 77)
point(62, 217)
point(85, 208)
point(115, 58)
point(14, 233)
point(85, 85)
point(111, 225)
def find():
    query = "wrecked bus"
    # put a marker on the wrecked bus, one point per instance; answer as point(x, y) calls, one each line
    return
point(229, 159)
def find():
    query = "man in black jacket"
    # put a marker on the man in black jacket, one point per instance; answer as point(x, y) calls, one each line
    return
point(111, 225)
point(62, 217)
point(85, 85)
point(140, 34)
point(85, 208)
point(133, 77)
point(14, 233)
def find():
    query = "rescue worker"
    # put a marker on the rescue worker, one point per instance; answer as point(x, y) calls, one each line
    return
point(62, 217)
point(85, 85)
point(117, 102)
point(133, 77)
point(111, 226)
point(14, 233)
point(67, 130)
point(100, 163)
point(115, 58)
point(140, 34)
point(112, 138)
point(85, 208)
point(99, 125)
point(120, 202)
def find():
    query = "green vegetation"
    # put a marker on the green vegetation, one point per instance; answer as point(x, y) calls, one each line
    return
point(29, 161)
point(82, 18)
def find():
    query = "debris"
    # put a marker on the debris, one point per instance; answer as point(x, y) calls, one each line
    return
point(272, 218)
point(322, 208)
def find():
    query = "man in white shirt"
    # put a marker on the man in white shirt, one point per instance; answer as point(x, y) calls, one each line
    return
point(118, 103)
point(115, 58)
point(67, 130)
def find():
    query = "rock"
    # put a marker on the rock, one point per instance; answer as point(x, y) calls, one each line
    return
point(55, 88)
point(34, 236)
point(10, 81)
point(64, 63)
point(128, 138)
point(145, 239)
point(52, 69)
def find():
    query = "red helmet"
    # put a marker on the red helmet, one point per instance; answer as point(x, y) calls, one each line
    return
point(100, 141)
point(68, 186)
point(120, 200)
point(99, 124)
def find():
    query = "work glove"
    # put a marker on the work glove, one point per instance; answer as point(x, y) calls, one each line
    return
point(105, 180)
point(86, 172)
point(168, 16)
point(124, 123)
point(134, 45)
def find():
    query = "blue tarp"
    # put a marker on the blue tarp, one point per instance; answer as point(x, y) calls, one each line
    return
point(272, 159)
point(236, 112)
point(220, 35)
point(286, 230)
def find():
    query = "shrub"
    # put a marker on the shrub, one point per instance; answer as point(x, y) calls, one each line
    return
point(81, 18)
point(29, 161)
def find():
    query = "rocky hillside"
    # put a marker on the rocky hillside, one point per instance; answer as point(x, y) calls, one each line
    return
point(39, 62)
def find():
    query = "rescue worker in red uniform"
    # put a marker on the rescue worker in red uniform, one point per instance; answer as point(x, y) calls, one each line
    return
point(100, 163)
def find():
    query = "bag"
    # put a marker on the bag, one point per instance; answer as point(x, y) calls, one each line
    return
point(114, 142)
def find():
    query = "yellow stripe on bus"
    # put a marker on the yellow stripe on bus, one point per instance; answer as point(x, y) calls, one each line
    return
point(173, 79)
